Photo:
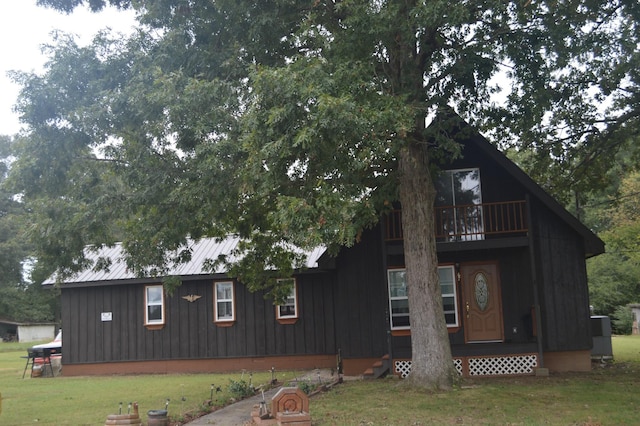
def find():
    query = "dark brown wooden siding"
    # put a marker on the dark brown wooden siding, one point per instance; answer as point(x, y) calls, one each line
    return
point(562, 278)
point(346, 308)
point(189, 331)
point(497, 184)
point(361, 298)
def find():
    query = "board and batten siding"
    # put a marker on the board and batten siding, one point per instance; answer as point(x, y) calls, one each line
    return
point(562, 282)
point(189, 331)
point(361, 298)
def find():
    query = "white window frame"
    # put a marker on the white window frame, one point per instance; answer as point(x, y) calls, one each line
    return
point(148, 304)
point(455, 311)
point(393, 298)
point(231, 300)
point(291, 300)
point(454, 295)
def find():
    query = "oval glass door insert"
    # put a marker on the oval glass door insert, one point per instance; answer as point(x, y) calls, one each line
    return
point(482, 291)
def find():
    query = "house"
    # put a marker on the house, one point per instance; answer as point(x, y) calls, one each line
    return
point(635, 314)
point(26, 331)
point(512, 273)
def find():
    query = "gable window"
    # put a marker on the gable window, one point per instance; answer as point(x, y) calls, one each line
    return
point(399, 298)
point(224, 303)
point(459, 205)
point(287, 313)
point(154, 305)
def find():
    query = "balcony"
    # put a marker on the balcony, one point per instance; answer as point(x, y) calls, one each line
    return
point(469, 222)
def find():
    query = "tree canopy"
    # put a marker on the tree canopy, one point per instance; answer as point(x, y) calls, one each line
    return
point(299, 122)
point(615, 276)
point(19, 301)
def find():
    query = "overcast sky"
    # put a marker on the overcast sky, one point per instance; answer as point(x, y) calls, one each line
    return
point(25, 27)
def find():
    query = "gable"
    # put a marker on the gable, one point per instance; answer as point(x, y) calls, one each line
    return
point(475, 145)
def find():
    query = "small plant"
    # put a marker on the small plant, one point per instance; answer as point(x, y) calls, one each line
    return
point(306, 387)
point(177, 419)
point(240, 389)
point(204, 409)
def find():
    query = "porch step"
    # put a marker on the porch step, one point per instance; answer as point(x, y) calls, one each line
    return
point(380, 368)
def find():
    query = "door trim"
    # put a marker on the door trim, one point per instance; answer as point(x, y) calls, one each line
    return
point(468, 298)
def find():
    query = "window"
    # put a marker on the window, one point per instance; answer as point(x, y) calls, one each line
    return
point(223, 302)
point(154, 302)
point(449, 298)
point(288, 310)
point(459, 205)
point(399, 298)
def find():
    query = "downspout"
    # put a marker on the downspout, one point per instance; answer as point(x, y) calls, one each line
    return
point(534, 280)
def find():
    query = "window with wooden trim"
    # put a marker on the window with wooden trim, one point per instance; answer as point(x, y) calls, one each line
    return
point(154, 305)
point(224, 302)
point(289, 309)
point(399, 298)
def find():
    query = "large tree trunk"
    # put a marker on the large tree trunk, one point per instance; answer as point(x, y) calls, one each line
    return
point(432, 364)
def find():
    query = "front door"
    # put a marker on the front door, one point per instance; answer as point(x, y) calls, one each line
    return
point(482, 303)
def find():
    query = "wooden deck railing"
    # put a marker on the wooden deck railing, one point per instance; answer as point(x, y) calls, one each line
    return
point(469, 222)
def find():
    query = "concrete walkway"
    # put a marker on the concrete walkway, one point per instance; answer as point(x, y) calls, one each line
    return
point(239, 413)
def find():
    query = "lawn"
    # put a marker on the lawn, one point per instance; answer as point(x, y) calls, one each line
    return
point(89, 400)
point(607, 395)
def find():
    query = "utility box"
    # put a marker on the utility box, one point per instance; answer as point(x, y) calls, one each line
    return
point(601, 333)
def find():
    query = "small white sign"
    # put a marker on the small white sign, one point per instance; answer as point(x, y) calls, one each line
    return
point(106, 316)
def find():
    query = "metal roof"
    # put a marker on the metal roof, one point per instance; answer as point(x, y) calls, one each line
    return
point(201, 251)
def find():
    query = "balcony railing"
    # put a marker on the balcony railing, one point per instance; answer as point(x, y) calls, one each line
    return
point(469, 222)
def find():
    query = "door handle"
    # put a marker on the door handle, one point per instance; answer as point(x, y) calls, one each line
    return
point(468, 307)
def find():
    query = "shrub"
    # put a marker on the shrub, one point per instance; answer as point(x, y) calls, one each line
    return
point(622, 321)
point(240, 389)
point(306, 387)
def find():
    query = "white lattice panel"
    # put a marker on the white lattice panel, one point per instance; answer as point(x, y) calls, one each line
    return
point(489, 366)
point(457, 362)
point(503, 365)
point(404, 367)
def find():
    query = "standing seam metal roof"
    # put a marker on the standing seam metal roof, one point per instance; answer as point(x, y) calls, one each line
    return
point(201, 251)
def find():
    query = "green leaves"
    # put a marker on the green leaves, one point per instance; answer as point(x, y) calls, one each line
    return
point(282, 120)
point(614, 277)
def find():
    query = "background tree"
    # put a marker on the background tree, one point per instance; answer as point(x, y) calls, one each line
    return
point(19, 301)
point(615, 276)
point(293, 122)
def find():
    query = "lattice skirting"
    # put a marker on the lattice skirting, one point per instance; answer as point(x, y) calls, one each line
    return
point(498, 365)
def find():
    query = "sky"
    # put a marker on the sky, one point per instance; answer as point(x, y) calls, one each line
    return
point(25, 27)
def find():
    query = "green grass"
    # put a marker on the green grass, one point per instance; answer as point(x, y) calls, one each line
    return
point(608, 395)
point(605, 396)
point(88, 400)
point(626, 348)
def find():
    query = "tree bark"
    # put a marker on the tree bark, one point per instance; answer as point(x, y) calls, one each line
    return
point(432, 364)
